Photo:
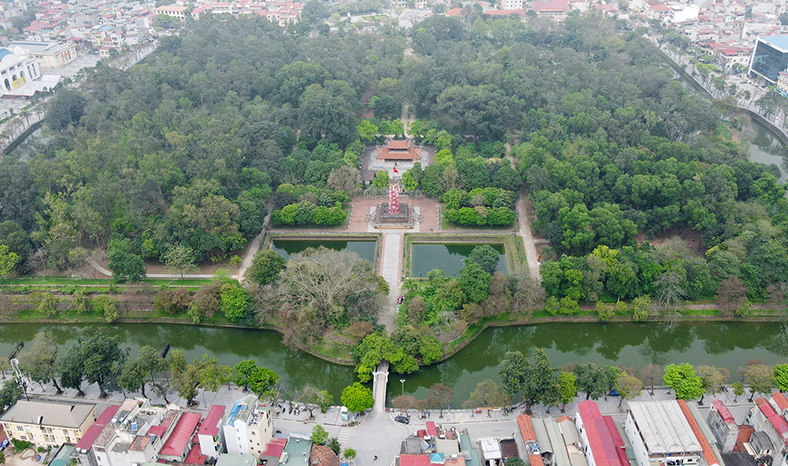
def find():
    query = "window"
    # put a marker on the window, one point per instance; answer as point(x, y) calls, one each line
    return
point(19, 428)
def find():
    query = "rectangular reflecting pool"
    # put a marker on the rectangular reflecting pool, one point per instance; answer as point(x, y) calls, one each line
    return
point(287, 247)
point(450, 258)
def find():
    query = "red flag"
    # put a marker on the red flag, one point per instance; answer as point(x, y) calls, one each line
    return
point(395, 170)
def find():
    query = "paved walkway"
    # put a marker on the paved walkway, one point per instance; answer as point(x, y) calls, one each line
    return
point(379, 386)
point(390, 266)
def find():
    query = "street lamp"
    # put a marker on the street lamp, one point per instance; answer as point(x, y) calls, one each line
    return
point(402, 381)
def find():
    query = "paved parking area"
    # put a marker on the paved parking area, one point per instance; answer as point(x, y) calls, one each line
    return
point(70, 70)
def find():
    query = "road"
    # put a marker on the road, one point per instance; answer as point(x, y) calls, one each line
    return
point(380, 436)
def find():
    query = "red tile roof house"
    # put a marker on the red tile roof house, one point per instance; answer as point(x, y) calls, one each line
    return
point(322, 455)
point(414, 460)
point(526, 440)
point(273, 451)
point(780, 403)
point(86, 443)
point(599, 444)
point(211, 435)
point(179, 443)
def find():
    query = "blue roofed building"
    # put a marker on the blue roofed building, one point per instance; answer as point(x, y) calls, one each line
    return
point(249, 427)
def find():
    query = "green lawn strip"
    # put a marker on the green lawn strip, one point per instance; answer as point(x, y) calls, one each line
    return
point(332, 349)
point(523, 261)
point(69, 289)
point(63, 281)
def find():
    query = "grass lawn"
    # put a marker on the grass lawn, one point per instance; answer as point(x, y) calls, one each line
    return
point(723, 132)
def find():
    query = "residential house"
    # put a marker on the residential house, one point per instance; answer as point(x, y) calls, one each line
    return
point(721, 422)
point(765, 419)
point(322, 455)
point(211, 434)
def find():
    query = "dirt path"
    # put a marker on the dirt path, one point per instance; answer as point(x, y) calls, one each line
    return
point(524, 222)
point(253, 248)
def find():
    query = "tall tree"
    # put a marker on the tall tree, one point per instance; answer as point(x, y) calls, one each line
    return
point(243, 370)
point(627, 386)
point(145, 368)
point(124, 264)
point(404, 403)
point(40, 361)
point(759, 377)
point(10, 393)
point(566, 383)
point(265, 268)
point(595, 380)
point(650, 375)
point(487, 394)
point(96, 358)
point(357, 398)
point(683, 380)
point(311, 397)
point(8, 260)
point(440, 397)
point(780, 374)
point(179, 260)
point(713, 379)
point(534, 381)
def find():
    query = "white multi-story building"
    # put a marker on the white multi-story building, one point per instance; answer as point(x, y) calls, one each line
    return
point(16, 69)
point(683, 14)
point(249, 427)
point(660, 433)
point(511, 4)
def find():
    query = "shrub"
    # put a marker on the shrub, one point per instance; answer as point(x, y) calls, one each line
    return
point(172, 300)
point(21, 445)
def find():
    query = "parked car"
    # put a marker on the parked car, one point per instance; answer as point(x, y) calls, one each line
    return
point(402, 419)
point(400, 299)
